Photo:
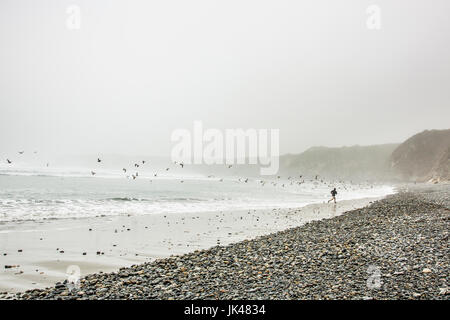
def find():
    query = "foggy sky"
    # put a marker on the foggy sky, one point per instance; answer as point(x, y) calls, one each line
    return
point(137, 70)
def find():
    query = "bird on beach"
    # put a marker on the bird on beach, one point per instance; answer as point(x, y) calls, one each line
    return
point(9, 161)
point(167, 169)
point(124, 170)
point(143, 161)
point(182, 165)
point(136, 165)
point(155, 175)
point(99, 160)
point(93, 173)
point(230, 166)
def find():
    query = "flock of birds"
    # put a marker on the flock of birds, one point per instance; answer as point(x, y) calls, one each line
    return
point(21, 153)
point(137, 165)
point(278, 181)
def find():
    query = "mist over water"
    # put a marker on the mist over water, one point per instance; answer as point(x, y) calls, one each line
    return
point(130, 75)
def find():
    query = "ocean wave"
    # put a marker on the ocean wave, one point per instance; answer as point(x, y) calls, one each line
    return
point(42, 199)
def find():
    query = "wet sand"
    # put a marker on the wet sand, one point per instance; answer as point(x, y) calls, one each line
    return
point(105, 244)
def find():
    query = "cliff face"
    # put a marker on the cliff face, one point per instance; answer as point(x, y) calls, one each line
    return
point(355, 162)
point(424, 157)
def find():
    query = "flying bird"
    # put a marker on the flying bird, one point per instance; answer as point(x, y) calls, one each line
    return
point(182, 165)
point(124, 170)
point(9, 161)
point(21, 152)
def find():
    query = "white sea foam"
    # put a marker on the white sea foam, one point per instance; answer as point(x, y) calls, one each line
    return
point(33, 195)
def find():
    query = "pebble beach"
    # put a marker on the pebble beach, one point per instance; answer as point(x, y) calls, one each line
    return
point(394, 248)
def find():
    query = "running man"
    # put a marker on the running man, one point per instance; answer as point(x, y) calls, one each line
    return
point(333, 195)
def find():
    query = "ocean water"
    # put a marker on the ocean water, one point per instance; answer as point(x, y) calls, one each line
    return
point(30, 195)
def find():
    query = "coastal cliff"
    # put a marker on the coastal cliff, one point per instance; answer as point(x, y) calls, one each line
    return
point(425, 157)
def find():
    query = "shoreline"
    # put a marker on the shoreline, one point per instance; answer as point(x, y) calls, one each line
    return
point(396, 248)
point(105, 244)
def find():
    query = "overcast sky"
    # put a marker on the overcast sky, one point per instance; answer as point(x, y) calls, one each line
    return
point(137, 70)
